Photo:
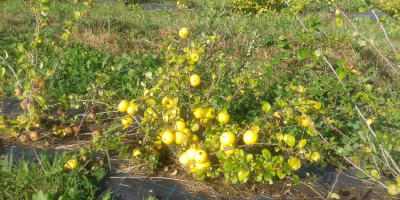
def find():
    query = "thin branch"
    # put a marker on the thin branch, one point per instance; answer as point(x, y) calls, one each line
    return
point(384, 31)
point(365, 38)
point(320, 196)
point(12, 72)
point(345, 89)
point(334, 184)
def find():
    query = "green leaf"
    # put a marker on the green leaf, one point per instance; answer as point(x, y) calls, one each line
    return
point(280, 174)
point(249, 157)
point(318, 53)
point(201, 177)
point(362, 9)
point(194, 127)
point(258, 178)
point(339, 21)
point(41, 101)
point(32, 74)
point(334, 196)
point(234, 179)
point(229, 166)
point(289, 140)
point(243, 174)
point(369, 22)
point(296, 179)
point(266, 154)
point(288, 12)
point(266, 107)
point(374, 173)
point(220, 155)
point(360, 174)
point(267, 176)
point(302, 54)
point(294, 163)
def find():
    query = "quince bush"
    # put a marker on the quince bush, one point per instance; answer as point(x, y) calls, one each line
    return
point(260, 6)
point(392, 7)
point(190, 120)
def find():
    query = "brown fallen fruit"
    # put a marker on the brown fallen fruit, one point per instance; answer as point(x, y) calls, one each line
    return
point(76, 129)
point(34, 135)
point(59, 113)
point(68, 131)
point(95, 109)
point(23, 138)
point(97, 132)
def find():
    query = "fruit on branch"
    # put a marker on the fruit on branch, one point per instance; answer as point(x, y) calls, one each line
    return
point(250, 137)
point(158, 145)
point(180, 125)
point(195, 80)
point(167, 102)
point(184, 159)
point(228, 152)
point(223, 118)
point(198, 113)
point(204, 165)
point(132, 109)
point(71, 165)
point(201, 156)
point(184, 33)
point(34, 135)
point(97, 132)
point(180, 137)
point(123, 106)
point(194, 57)
point(168, 137)
point(95, 109)
point(127, 120)
point(26, 104)
point(59, 113)
point(227, 138)
point(186, 131)
point(193, 168)
point(190, 153)
point(18, 92)
point(23, 138)
point(36, 90)
point(37, 80)
point(209, 113)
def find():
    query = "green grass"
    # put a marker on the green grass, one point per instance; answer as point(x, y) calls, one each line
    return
point(44, 177)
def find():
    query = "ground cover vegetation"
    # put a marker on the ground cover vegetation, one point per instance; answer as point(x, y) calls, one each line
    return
point(241, 91)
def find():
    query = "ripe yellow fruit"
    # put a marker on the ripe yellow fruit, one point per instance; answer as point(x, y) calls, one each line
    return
point(195, 138)
point(190, 153)
point(71, 164)
point(179, 137)
point(223, 118)
point(158, 144)
point(193, 168)
point(391, 192)
point(123, 106)
point(194, 57)
point(195, 80)
point(227, 152)
point(184, 32)
point(198, 113)
point(136, 153)
point(132, 109)
point(184, 159)
point(168, 103)
point(180, 125)
point(227, 138)
point(204, 165)
point(154, 117)
point(201, 156)
point(208, 113)
point(127, 120)
point(186, 131)
point(168, 137)
point(250, 137)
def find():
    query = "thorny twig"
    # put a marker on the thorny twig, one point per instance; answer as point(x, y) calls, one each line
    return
point(346, 90)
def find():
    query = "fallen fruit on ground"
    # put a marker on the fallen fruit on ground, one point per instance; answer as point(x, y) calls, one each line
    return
point(127, 120)
point(184, 32)
point(97, 132)
point(34, 135)
point(23, 138)
point(71, 165)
